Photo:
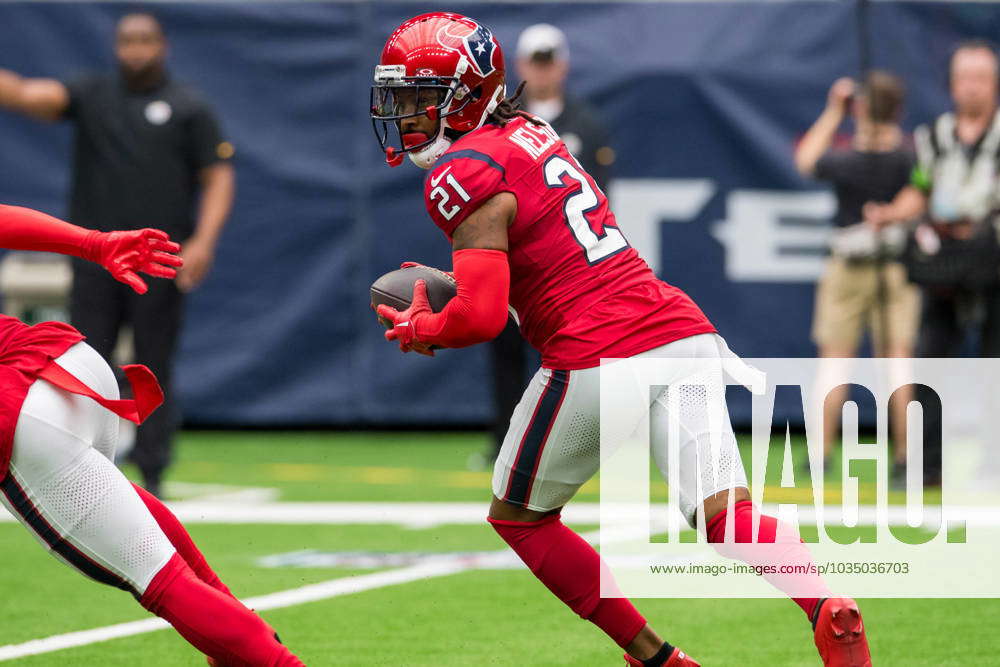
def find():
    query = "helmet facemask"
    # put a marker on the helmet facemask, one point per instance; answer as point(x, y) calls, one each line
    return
point(396, 97)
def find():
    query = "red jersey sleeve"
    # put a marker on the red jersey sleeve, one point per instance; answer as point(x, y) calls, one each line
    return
point(459, 184)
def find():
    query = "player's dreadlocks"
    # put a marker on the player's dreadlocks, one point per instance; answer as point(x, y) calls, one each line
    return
point(509, 108)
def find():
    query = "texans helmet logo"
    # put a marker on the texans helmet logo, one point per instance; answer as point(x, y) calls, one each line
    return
point(477, 46)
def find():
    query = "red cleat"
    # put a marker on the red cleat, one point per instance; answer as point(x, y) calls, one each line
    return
point(840, 634)
point(677, 659)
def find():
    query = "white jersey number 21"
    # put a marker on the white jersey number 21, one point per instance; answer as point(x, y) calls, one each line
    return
point(439, 192)
point(576, 208)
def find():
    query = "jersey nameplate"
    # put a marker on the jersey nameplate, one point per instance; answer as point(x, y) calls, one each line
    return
point(534, 139)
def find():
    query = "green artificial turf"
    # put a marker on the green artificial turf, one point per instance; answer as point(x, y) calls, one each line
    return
point(477, 617)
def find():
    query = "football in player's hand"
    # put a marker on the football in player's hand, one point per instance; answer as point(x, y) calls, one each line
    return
point(396, 288)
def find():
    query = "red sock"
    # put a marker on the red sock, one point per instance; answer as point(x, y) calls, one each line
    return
point(571, 569)
point(787, 549)
point(181, 540)
point(215, 623)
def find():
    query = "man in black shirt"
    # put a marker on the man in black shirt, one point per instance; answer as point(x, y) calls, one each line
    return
point(860, 289)
point(148, 152)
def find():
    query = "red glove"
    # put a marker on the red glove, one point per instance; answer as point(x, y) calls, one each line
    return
point(477, 314)
point(402, 329)
point(121, 253)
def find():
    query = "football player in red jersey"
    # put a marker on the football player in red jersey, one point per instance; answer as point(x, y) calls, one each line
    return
point(59, 410)
point(530, 228)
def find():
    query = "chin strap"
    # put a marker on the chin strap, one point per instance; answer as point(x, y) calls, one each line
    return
point(424, 157)
point(392, 158)
point(427, 156)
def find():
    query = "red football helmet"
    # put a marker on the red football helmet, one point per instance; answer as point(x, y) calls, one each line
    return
point(441, 64)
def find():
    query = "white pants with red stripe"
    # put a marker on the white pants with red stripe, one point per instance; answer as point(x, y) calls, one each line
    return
point(63, 486)
point(553, 444)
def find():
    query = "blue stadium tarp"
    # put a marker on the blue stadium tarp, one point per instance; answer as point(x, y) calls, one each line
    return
point(704, 100)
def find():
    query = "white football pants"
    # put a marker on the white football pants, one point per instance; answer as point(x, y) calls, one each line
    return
point(63, 486)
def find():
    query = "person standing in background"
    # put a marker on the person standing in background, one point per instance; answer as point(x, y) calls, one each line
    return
point(954, 192)
point(148, 152)
point(862, 287)
point(543, 65)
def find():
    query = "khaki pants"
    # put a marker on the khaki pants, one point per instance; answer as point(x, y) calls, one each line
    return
point(847, 305)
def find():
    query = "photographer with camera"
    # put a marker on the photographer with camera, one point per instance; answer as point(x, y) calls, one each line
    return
point(863, 287)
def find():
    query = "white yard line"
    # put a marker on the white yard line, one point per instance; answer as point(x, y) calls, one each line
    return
point(221, 493)
point(429, 515)
point(296, 596)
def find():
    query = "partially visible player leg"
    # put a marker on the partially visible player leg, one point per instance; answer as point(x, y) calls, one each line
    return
point(711, 469)
point(84, 511)
point(215, 623)
point(571, 569)
point(551, 449)
point(106, 442)
point(838, 629)
point(156, 320)
point(181, 540)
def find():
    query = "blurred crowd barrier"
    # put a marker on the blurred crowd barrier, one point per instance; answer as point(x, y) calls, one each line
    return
point(704, 102)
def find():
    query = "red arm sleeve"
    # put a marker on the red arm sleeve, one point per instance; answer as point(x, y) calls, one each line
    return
point(25, 229)
point(478, 312)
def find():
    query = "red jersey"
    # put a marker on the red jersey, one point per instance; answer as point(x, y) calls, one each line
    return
point(581, 292)
point(24, 352)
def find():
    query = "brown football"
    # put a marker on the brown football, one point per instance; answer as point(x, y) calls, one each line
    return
point(396, 288)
